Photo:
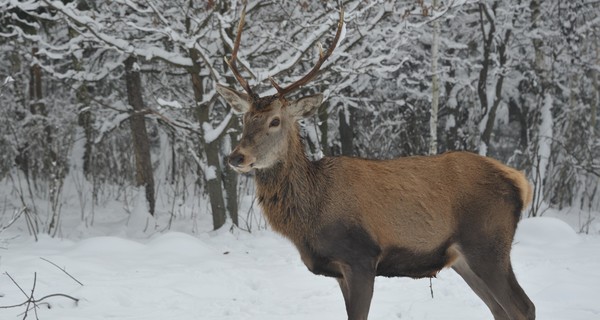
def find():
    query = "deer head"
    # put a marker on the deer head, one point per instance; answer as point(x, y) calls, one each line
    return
point(270, 121)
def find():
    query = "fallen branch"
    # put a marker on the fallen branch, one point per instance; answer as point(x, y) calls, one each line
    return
point(40, 300)
point(32, 303)
point(63, 270)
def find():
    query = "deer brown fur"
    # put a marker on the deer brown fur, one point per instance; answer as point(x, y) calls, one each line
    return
point(354, 219)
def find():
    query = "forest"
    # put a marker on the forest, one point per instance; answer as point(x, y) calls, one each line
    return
point(102, 100)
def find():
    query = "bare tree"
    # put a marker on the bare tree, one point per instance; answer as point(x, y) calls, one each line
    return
point(141, 145)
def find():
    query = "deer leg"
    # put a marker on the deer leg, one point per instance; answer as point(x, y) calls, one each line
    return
point(480, 288)
point(357, 287)
point(524, 303)
point(501, 282)
point(344, 288)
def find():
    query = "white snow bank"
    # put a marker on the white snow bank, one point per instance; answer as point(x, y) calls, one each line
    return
point(179, 243)
point(544, 231)
point(225, 276)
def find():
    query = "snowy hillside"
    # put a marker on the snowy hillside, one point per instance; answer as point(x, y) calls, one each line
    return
point(237, 275)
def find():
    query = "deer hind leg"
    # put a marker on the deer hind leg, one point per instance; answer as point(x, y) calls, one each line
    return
point(480, 288)
point(495, 272)
point(525, 304)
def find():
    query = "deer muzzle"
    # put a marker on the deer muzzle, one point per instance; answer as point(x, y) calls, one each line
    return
point(240, 161)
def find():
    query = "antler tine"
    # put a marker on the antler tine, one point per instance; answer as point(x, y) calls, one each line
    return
point(313, 72)
point(232, 61)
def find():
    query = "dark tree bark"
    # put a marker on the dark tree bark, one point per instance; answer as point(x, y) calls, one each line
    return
point(85, 121)
point(141, 145)
point(490, 111)
point(211, 150)
point(324, 128)
point(230, 178)
point(488, 39)
point(36, 107)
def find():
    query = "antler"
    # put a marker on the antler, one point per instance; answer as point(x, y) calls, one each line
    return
point(232, 61)
point(312, 73)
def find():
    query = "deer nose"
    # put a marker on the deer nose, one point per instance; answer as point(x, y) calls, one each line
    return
point(236, 159)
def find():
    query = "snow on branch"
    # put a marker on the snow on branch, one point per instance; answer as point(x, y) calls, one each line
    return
point(287, 60)
point(118, 44)
point(211, 134)
point(227, 40)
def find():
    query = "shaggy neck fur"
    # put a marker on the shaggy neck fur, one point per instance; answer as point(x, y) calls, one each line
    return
point(290, 192)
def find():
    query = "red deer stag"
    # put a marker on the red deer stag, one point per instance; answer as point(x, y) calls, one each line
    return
point(354, 219)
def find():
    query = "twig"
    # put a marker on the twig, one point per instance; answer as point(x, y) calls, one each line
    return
point(16, 284)
point(431, 287)
point(63, 270)
point(16, 215)
point(31, 300)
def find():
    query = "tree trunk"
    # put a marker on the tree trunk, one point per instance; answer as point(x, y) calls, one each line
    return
point(85, 121)
point(346, 134)
point(35, 88)
point(542, 86)
point(485, 66)
point(324, 128)
point(230, 177)
point(141, 145)
point(36, 107)
point(84, 116)
point(491, 119)
point(213, 173)
point(230, 181)
point(489, 113)
point(213, 184)
point(596, 93)
point(435, 84)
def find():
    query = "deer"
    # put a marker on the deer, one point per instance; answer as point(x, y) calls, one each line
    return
point(354, 219)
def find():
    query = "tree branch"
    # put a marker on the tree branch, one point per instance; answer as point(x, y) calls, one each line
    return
point(120, 44)
point(30, 298)
point(61, 269)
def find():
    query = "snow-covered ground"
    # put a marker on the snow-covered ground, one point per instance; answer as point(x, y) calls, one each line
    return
point(240, 275)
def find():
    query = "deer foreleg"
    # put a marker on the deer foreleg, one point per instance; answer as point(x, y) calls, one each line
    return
point(357, 288)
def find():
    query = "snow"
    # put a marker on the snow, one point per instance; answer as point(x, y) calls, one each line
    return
point(483, 148)
point(8, 80)
point(210, 173)
point(110, 124)
point(211, 134)
point(122, 45)
point(139, 218)
point(450, 122)
point(546, 231)
point(290, 60)
point(171, 104)
point(259, 275)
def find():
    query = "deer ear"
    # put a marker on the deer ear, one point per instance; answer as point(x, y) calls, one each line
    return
point(240, 102)
point(305, 106)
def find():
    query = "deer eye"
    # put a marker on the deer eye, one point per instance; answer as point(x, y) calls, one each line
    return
point(274, 123)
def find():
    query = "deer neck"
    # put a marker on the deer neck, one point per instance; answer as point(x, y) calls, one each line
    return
point(290, 192)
